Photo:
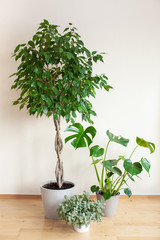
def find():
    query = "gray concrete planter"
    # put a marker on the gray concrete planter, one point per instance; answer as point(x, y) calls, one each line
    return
point(51, 199)
point(111, 205)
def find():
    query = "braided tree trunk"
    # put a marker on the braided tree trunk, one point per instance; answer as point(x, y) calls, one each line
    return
point(58, 149)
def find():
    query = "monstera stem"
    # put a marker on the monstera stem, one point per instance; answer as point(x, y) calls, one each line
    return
point(58, 149)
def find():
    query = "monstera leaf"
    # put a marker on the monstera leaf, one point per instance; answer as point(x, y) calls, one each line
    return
point(146, 164)
point(118, 139)
point(94, 188)
point(133, 168)
point(80, 137)
point(128, 192)
point(96, 151)
point(143, 143)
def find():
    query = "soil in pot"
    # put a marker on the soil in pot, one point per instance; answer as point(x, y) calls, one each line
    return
point(54, 186)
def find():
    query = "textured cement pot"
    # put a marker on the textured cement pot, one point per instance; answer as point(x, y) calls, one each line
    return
point(82, 229)
point(51, 199)
point(110, 205)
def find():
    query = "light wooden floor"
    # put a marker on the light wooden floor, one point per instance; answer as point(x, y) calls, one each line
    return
point(137, 219)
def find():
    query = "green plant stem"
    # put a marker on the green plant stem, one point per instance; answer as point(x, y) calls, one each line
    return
point(102, 175)
point(120, 185)
point(98, 178)
point(118, 180)
point(133, 151)
point(125, 172)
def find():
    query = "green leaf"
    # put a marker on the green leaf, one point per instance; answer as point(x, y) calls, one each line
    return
point(36, 70)
point(15, 102)
point(47, 57)
point(46, 21)
point(146, 164)
point(94, 52)
point(96, 151)
point(45, 110)
point(130, 176)
point(66, 29)
point(122, 157)
point(74, 114)
point(94, 188)
point(91, 130)
point(117, 170)
point(128, 192)
point(17, 48)
point(82, 137)
point(72, 129)
point(113, 162)
point(106, 195)
point(109, 174)
point(125, 182)
point(108, 166)
point(133, 169)
point(69, 138)
point(31, 43)
point(69, 55)
point(117, 139)
point(21, 106)
point(143, 143)
point(97, 161)
point(79, 109)
point(108, 87)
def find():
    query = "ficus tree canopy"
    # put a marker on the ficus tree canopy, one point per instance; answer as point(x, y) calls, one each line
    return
point(55, 74)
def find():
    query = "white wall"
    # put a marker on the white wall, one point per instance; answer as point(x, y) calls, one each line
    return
point(129, 31)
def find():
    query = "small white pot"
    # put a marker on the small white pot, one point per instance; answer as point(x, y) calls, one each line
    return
point(51, 198)
point(110, 205)
point(82, 229)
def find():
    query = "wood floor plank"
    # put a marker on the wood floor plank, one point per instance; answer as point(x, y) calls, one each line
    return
point(136, 219)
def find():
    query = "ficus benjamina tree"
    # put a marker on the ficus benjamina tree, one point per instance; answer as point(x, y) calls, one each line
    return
point(55, 78)
point(112, 177)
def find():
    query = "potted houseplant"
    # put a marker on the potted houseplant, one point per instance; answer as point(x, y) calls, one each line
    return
point(55, 78)
point(79, 211)
point(115, 173)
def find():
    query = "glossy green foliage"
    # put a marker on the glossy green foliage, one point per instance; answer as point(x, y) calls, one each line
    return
point(143, 143)
point(81, 137)
point(96, 151)
point(128, 192)
point(55, 74)
point(80, 210)
point(146, 164)
point(115, 173)
point(133, 168)
point(118, 139)
point(94, 188)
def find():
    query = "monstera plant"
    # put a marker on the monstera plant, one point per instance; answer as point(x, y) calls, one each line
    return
point(115, 173)
point(55, 78)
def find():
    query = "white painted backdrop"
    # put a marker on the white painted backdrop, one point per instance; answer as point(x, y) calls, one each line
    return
point(129, 31)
